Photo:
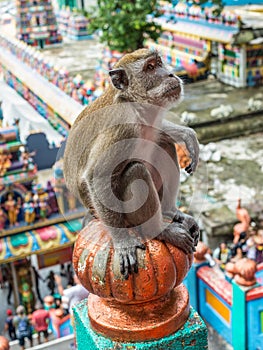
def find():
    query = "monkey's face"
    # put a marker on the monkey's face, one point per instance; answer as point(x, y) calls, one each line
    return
point(162, 87)
point(147, 79)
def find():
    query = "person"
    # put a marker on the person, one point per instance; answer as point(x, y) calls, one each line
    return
point(51, 284)
point(259, 246)
point(9, 327)
point(5, 274)
point(40, 321)
point(37, 278)
point(10, 286)
point(70, 275)
point(62, 270)
point(237, 254)
point(222, 254)
point(23, 327)
point(71, 295)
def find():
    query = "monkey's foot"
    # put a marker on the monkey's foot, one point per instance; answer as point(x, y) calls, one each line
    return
point(126, 251)
point(179, 236)
point(189, 223)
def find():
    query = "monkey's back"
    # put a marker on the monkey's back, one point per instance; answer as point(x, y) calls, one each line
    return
point(94, 134)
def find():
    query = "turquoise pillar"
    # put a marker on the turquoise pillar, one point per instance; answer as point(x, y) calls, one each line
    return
point(239, 317)
point(191, 283)
point(192, 336)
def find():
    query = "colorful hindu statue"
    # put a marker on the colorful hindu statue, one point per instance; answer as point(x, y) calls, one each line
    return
point(29, 209)
point(10, 206)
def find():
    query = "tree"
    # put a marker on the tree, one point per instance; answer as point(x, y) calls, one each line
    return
point(124, 24)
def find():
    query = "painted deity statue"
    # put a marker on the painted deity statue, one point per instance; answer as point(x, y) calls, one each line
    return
point(10, 206)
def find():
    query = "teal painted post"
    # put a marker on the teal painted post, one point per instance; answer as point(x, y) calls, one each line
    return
point(61, 3)
point(239, 317)
point(191, 283)
point(73, 4)
point(192, 336)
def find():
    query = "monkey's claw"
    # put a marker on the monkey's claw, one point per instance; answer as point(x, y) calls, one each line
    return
point(189, 224)
point(189, 169)
point(128, 258)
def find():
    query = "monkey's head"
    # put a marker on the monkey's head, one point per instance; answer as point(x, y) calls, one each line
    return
point(142, 76)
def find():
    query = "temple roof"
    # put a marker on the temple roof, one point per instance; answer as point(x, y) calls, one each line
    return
point(37, 241)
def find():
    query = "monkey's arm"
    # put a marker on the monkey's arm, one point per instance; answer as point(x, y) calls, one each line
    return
point(187, 135)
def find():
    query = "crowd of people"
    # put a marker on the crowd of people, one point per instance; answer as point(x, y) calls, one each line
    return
point(21, 325)
point(249, 244)
point(247, 240)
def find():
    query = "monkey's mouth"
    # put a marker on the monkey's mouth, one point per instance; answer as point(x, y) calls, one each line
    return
point(174, 90)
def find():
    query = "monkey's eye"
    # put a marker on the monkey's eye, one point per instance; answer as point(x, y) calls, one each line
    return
point(150, 66)
point(160, 63)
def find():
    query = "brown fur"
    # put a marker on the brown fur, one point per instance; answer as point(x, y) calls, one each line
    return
point(93, 134)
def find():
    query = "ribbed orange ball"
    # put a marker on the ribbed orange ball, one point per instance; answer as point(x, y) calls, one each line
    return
point(162, 267)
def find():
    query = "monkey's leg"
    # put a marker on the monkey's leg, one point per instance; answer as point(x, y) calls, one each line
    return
point(125, 205)
point(142, 213)
point(85, 197)
point(183, 232)
point(141, 201)
point(187, 135)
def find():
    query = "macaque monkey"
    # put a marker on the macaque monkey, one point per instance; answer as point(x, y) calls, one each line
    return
point(120, 158)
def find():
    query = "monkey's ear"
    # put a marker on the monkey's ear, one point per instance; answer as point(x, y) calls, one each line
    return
point(119, 78)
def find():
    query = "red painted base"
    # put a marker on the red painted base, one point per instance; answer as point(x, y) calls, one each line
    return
point(139, 322)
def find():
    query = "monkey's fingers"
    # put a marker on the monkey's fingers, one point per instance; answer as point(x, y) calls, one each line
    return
point(133, 263)
point(190, 225)
point(187, 220)
point(179, 236)
point(189, 169)
point(195, 233)
point(132, 257)
point(141, 246)
point(124, 265)
point(128, 260)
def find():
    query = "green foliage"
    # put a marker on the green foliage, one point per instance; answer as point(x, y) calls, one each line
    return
point(123, 24)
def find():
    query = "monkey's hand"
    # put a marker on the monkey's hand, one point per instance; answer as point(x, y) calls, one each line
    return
point(189, 223)
point(178, 236)
point(126, 250)
point(180, 134)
